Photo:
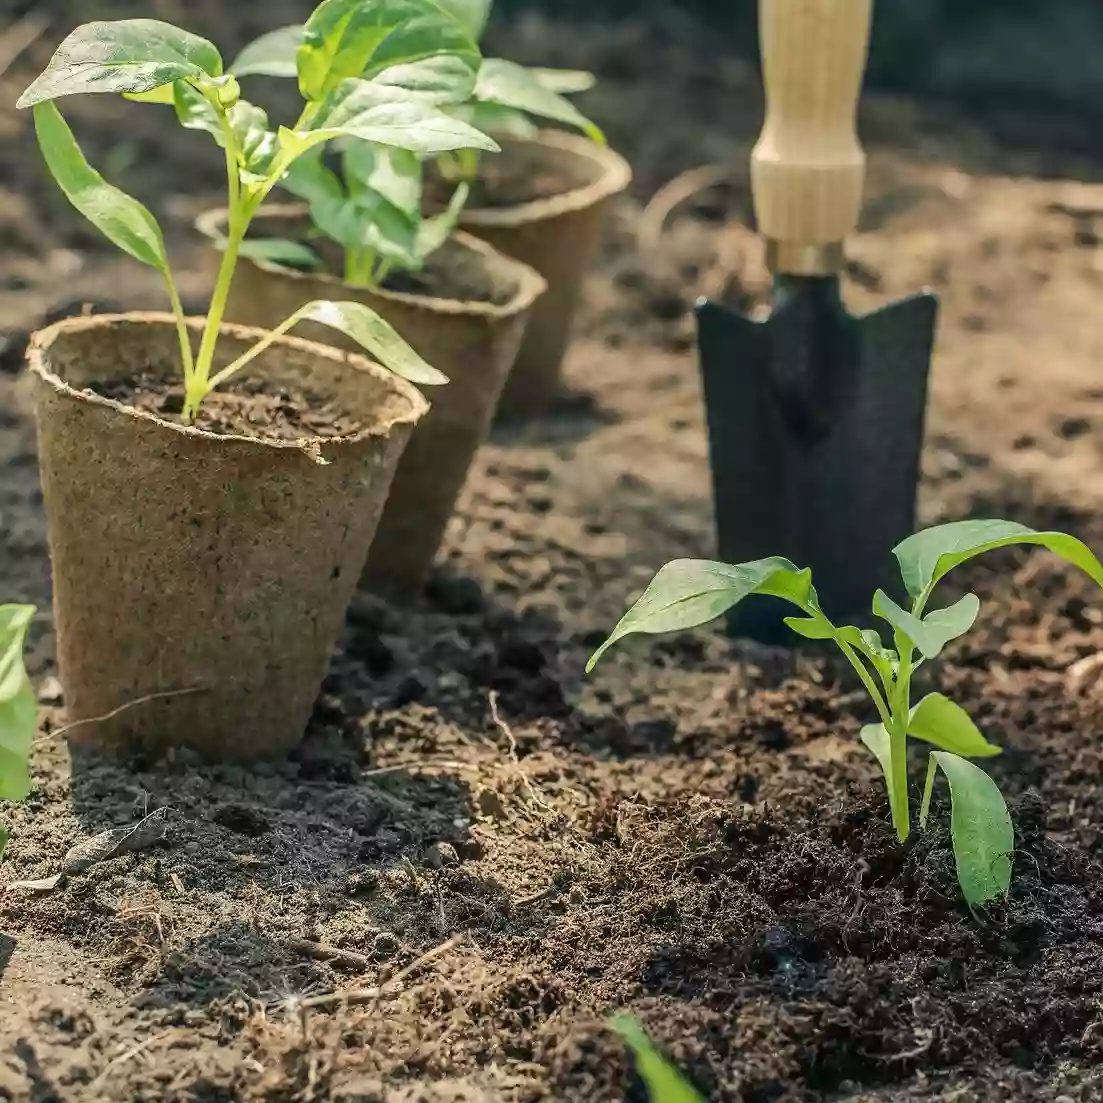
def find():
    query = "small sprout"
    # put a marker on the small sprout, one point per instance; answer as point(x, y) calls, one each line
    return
point(665, 1084)
point(373, 74)
point(18, 709)
point(688, 593)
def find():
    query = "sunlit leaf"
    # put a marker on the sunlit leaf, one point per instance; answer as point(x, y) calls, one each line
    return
point(17, 704)
point(945, 724)
point(388, 116)
point(981, 829)
point(928, 555)
point(567, 82)
point(936, 629)
point(690, 592)
point(271, 55)
point(473, 14)
point(374, 334)
point(665, 1084)
point(115, 214)
point(437, 229)
point(511, 85)
point(292, 254)
point(445, 79)
point(126, 55)
point(394, 174)
point(351, 38)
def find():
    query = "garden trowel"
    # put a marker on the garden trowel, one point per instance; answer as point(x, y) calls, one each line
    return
point(815, 416)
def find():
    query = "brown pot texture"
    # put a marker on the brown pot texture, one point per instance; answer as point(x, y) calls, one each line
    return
point(472, 342)
point(201, 580)
point(558, 236)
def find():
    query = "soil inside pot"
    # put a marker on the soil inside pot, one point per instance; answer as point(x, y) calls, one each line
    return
point(247, 406)
point(509, 179)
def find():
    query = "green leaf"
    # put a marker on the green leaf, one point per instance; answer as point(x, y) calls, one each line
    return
point(389, 116)
point(981, 829)
point(511, 85)
point(115, 214)
point(371, 332)
point(128, 55)
point(292, 254)
point(394, 174)
point(164, 95)
point(257, 146)
point(310, 179)
point(472, 14)
point(928, 555)
point(271, 55)
point(435, 231)
point(442, 80)
point(567, 82)
point(352, 38)
point(936, 629)
point(876, 738)
point(690, 592)
point(665, 1084)
point(492, 118)
point(17, 704)
point(945, 724)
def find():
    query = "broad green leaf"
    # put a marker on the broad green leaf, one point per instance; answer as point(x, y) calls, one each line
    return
point(928, 555)
point(876, 738)
point(567, 82)
point(511, 85)
point(936, 629)
point(492, 118)
point(374, 334)
point(310, 179)
point(690, 592)
point(115, 214)
point(17, 704)
point(388, 116)
point(665, 1084)
point(127, 55)
point(445, 79)
point(435, 231)
point(945, 724)
point(352, 38)
point(473, 14)
point(981, 829)
point(271, 55)
point(367, 221)
point(394, 174)
point(166, 94)
point(815, 627)
point(292, 254)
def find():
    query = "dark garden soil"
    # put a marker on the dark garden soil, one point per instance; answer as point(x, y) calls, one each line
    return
point(693, 833)
point(242, 407)
point(509, 181)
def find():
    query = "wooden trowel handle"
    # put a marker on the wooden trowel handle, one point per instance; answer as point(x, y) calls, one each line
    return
point(808, 169)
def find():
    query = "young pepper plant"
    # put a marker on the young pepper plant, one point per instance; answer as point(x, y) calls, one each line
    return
point(155, 62)
point(688, 593)
point(370, 204)
point(17, 708)
point(502, 97)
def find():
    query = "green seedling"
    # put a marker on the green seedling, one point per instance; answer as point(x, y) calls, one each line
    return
point(368, 198)
point(362, 70)
point(688, 593)
point(17, 708)
point(372, 205)
point(664, 1083)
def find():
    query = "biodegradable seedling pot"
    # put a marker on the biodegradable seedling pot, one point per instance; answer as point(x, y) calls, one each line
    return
point(473, 341)
point(201, 580)
point(557, 232)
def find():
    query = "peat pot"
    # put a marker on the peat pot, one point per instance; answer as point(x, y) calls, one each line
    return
point(465, 313)
point(201, 574)
point(543, 201)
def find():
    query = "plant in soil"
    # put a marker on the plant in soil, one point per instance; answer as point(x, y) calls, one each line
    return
point(17, 708)
point(367, 198)
point(362, 67)
point(688, 593)
point(664, 1083)
point(493, 95)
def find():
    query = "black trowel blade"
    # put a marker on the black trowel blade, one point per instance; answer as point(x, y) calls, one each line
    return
point(815, 450)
